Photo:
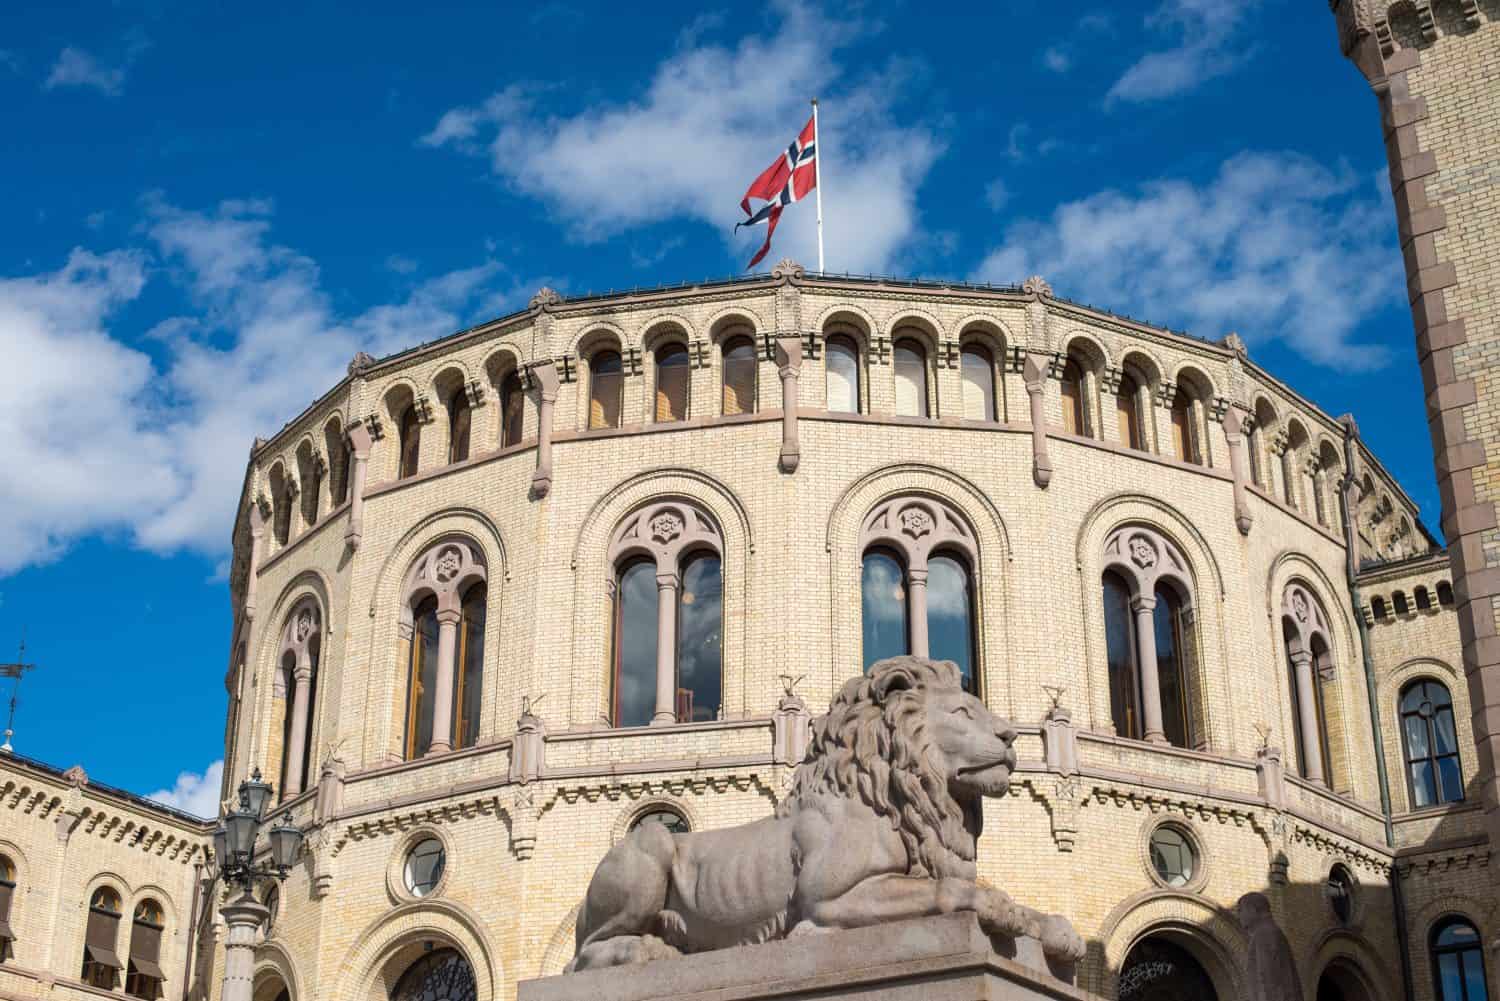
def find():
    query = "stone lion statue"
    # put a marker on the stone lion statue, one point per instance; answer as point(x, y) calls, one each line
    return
point(880, 825)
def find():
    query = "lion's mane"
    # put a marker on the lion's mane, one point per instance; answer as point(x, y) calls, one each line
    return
point(880, 751)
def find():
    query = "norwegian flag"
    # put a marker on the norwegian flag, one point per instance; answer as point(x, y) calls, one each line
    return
point(789, 179)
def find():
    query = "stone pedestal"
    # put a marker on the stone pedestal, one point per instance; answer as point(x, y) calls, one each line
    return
point(945, 958)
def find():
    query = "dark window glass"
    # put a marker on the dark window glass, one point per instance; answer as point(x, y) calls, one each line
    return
point(911, 379)
point(1119, 638)
point(1399, 600)
point(672, 383)
point(950, 615)
point(289, 682)
point(883, 604)
point(700, 627)
point(1172, 856)
point(1184, 442)
point(1445, 594)
point(979, 383)
point(1430, 740)
point(1157, 970)
point(1127, 416)
point(606, 382)
point(670, 819)
point(512, 410)
point(1072, 398)
point(143, 973)
point(101, 961)
point(1458, 962)
point(468, 688)
point(421, 684)
point(1377, 608)
point(635, 645)
point(1171, 668)
point(739, 376)
point(424, 867)
point(338, 463)
point(7, 893)
point(841, 362)
point(441, 975)
point(1341, 893)
point(460, 420)
point(411, 442)
point(1423, 599)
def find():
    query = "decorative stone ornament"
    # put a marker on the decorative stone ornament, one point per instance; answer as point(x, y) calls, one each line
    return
point(1142, 552)
point(1036, 286)
point(544, 299)
point(786, 268)
point(665, 527)
point(359, 363)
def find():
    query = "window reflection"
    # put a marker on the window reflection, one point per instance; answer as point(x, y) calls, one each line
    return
point(1431, 743)
point(1458, 962)
point(739, 377)
point(950, 615)
point(883, 602)
point(635, 645)
point(672, 378)
point(699, 640)
point(468, 689)
point(421, 679)
point(1167, 618)
point(1119, 633)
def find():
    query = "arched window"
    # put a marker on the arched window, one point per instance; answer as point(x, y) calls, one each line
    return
point(1399, 601)
point(7, 896)
point(460, 422)
point(1159, 970)
point(916, 585)
point(1254, 446)
point(1377, 608)
point(1445, 594)
point(606, 384)
point(281, 505)
point(739, 376)
point(445, 597)
point(1309, 661)
point(1119, 640)
point(672, 383)
point(101, 963)
point(841, 362)
point(1423, 598)
point(512, 409)
point(1184, 441)
point(1430, 741)
point(666, 817)
point(978, 367)
point(337, 444)
point(299, 653)
point(1071, 387)
point(911, 378)
point(310, 470)
point(1457, 962)
point(669, 616)
point(1167, 617)
point(144, 976)
point(440, 975)
point(1128, 413)
point(410, 434)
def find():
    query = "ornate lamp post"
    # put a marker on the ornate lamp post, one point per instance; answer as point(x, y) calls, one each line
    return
point(234, 850)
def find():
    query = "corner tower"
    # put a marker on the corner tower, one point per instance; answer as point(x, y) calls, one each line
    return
point(1435, 68)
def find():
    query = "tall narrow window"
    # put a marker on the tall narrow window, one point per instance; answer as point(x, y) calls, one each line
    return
point(1072, 398)
point(144, 975)
point(288, 716)
point(101, 963)
point(1458, 962)
point(421, 678)
point(606, 383)
point(1119, 638)
point(739, 377)
point(7, 895)
point(1184, 442)
point(635, 644)
point(841, 361)
point(1170, 673)
point(883, 603)
point(313, 649)
point(911, 379)
point(700, 627)
point(1320, 720)
point(1127, 413)
point(338, 463)
point(979, 383)
point(411, 442)
point(460, 421)
point(950, 615)
point(512, 409)
point(1430, 741)
point(468, 687)
point(672, 380)
point(1254, 441)
point(1445, 594)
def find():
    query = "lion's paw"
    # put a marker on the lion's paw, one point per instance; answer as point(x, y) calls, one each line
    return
point(999, 915)
point(650, 947)
point(1059, 940)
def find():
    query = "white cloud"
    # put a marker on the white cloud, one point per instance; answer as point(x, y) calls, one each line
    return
point(1057, 59)
point(77, 68)
point(996, 194)
point(194, 793)
point(113, 443)
point(1204, 30)
point(710, 120)
point(1275, 246)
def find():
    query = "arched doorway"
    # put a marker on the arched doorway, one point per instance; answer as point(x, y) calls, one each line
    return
point(440, 975)
point(1159, 970)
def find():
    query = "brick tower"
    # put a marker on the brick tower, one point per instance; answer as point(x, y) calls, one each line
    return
point(1434, 66)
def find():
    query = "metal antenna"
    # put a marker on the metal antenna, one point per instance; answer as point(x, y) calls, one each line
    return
point(14, 671)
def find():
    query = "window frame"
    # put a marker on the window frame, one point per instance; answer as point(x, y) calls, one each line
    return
point(460, 411)
point(140, 982)
point(751, 368)
point(409, 437)
point(1074, 405)
point(846, 345)
point(990, 397)
point(97, 973)
point(512, 409)
point(1432, 758)
point(1436, 951)
point(673, 359)
point(617, 644)
point(599, 381)
point(415, 664)
point(915, 371)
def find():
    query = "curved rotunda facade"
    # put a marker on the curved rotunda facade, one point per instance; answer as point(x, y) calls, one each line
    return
point(499, 597)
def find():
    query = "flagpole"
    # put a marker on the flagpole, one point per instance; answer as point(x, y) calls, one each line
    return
point(818, 180)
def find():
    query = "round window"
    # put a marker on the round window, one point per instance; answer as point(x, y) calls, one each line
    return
point(1340, 892)
point(1172, 856)
point(424, 866)
point(670, 819)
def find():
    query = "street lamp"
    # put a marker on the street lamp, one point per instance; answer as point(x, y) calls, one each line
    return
point(234, 852)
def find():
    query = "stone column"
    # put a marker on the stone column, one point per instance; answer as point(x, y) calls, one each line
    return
point(1234, 434)
point(1144, 607)
point(666, 649)
point(359, 443)
point(302, 675)
point(244, 918)
point(1034, 372)
point(1307, 716)
point(789, 367)
point(547, 382)
point(257, 541)
point(916, 604)
point(442, 690)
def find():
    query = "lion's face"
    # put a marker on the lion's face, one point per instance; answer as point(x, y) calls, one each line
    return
point(976, 744)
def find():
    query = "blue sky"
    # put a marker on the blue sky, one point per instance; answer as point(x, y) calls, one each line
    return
point(207, 211)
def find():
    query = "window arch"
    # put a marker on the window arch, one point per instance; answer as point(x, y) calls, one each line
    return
point(841, 364)
point(337, 444)
point(606, 387)
point(1309, 664)
point(310, 470)
point(409, 435)
point(101, 962)
point(917, 589)
point(673, 382)
point(977, 365)
point(1398, 601)
point(460, 425)
point(7, 902)
point(442, 631)
point(512, 409)
point(1457, 955)
point(1150, 647)
point(1377, 608)
point(1157, 967)
point(667, 663)
point(1445, 594)
point(1255, 441)
point(739, 372)
point(1429, 741)
point(1128, 412)
point(1184, 438)
point(281, 505)
point(298, 657)
point(440, 975)
point(144, 976)
point(1074, 416)
point(910, 359)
